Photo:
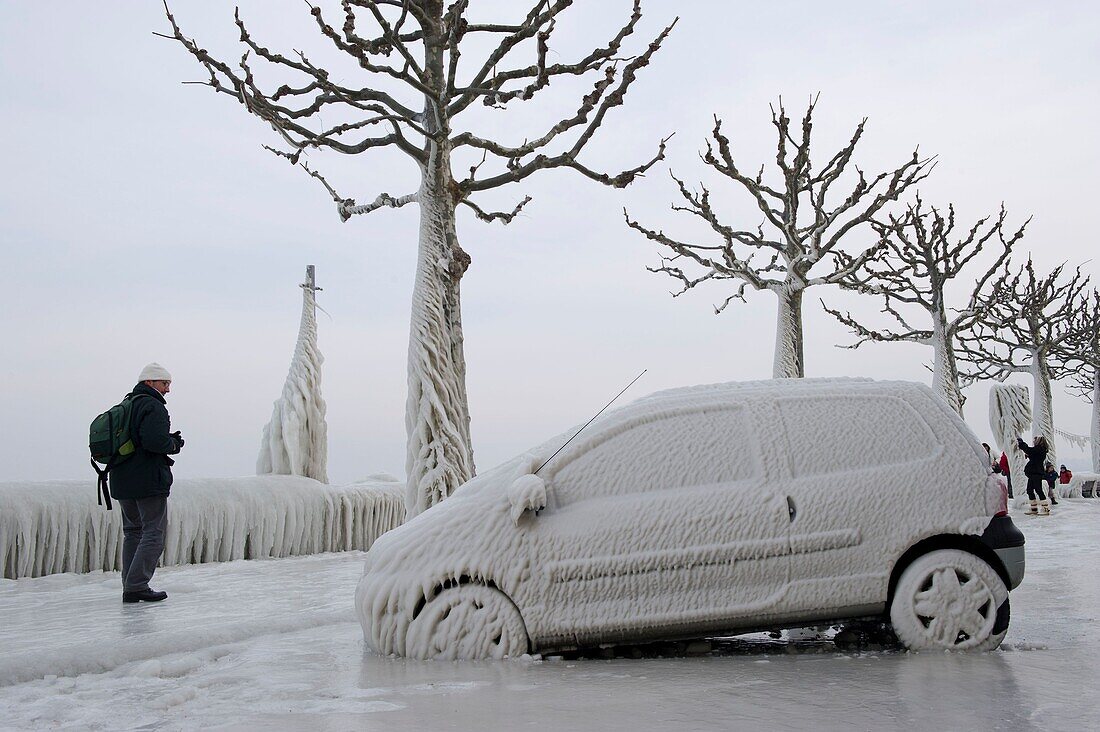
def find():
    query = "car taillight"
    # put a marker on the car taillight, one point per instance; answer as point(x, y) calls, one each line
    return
point(996, 495)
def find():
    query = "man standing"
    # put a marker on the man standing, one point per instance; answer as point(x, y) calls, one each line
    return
point(142, 482)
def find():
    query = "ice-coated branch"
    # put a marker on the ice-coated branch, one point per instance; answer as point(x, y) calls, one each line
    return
point(605, 96)
point(490, 84)
point(1029, 317)
point(1083, 353)
point(797, 244)
point(346, 207)
point(865, 334)
point(504, 217)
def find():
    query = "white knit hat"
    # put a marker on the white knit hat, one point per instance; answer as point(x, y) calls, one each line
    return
point(154, 372)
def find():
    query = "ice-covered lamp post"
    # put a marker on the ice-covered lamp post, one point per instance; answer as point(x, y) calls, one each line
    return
point(295, 441)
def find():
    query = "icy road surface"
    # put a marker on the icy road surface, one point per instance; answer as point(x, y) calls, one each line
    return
point(275, 645)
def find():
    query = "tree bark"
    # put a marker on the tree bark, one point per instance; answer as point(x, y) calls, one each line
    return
point(439, 456)
point(789, 360)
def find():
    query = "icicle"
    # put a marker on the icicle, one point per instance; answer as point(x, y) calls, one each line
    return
point(295, 441)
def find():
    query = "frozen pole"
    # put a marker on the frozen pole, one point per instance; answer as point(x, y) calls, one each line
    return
point(295, 441)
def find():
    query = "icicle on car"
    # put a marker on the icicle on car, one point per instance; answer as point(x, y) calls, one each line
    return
point(711, 510)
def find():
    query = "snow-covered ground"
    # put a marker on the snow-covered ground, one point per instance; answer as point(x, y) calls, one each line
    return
point(274, 644)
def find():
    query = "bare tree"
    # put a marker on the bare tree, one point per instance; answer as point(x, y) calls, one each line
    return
point(414, 85)
point(803, 228)
point(920, 258)
point(1084, 355)
point(1028, 325)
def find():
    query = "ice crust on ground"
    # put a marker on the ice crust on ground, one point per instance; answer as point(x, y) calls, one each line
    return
point(71, 624)
point(56, 526)
point(670, 515)
point(295, 441)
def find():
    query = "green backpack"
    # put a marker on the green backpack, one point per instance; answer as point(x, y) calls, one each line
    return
point(110, 443)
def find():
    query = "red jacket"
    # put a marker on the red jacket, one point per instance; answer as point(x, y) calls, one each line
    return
point(1004, 464)
point(1065, 476)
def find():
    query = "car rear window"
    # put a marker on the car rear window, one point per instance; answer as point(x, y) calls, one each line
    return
point(698, 447)
point(838, 433)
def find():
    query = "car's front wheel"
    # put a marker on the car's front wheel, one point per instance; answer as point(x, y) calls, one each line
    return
point(467, 622)
point(950, 599)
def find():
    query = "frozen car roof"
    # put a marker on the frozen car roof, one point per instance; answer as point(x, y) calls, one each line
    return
point(766, 387)
point(670, 401)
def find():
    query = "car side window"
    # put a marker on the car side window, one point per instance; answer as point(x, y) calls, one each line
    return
point(833, 434)
point(703, 446)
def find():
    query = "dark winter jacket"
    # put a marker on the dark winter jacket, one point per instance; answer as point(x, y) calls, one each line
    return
point(148, 472)
point(1051, 477)
point(1036, 460)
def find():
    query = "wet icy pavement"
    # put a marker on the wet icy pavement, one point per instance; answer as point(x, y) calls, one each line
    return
point(273, 645)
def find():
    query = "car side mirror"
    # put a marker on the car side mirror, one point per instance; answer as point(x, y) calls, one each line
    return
point(527, 493)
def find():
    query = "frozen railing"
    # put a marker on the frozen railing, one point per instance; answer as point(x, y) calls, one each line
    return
point(1082, 485)
point(56, 526)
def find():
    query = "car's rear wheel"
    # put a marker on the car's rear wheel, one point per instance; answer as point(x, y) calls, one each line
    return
point(950, 599)
point(467, 622)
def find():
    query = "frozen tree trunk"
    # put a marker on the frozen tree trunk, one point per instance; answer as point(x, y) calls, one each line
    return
point(945, 372)
point(1096, 422)
point(295, 441)
point(439, 457)
point(789, 362)
point(1009, 418)
point(1043, 408)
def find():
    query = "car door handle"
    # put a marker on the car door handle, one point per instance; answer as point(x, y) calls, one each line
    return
point(791, 511)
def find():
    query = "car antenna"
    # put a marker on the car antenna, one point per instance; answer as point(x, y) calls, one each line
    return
point(590, 421)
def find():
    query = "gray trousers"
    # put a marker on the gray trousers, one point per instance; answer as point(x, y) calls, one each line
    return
point(144, 521)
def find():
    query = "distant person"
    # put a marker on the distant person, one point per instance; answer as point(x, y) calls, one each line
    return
point(1065, 475)
point(142, 482)
point(1034, 470)
point(1051, 477)
point(1006, 472)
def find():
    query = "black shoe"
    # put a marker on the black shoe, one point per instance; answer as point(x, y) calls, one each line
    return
point(144, 596)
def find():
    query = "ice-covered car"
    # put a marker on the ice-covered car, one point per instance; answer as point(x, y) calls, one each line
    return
point(711, 510)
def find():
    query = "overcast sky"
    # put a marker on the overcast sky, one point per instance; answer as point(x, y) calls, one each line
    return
point(140, 219)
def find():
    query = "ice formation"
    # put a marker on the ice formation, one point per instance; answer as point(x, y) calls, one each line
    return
point(1094, 430)
point(1042, 411)
point(439, 455)
point(295, 441)
point(1009, 419)
point(56, 526)
point(688, 511)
